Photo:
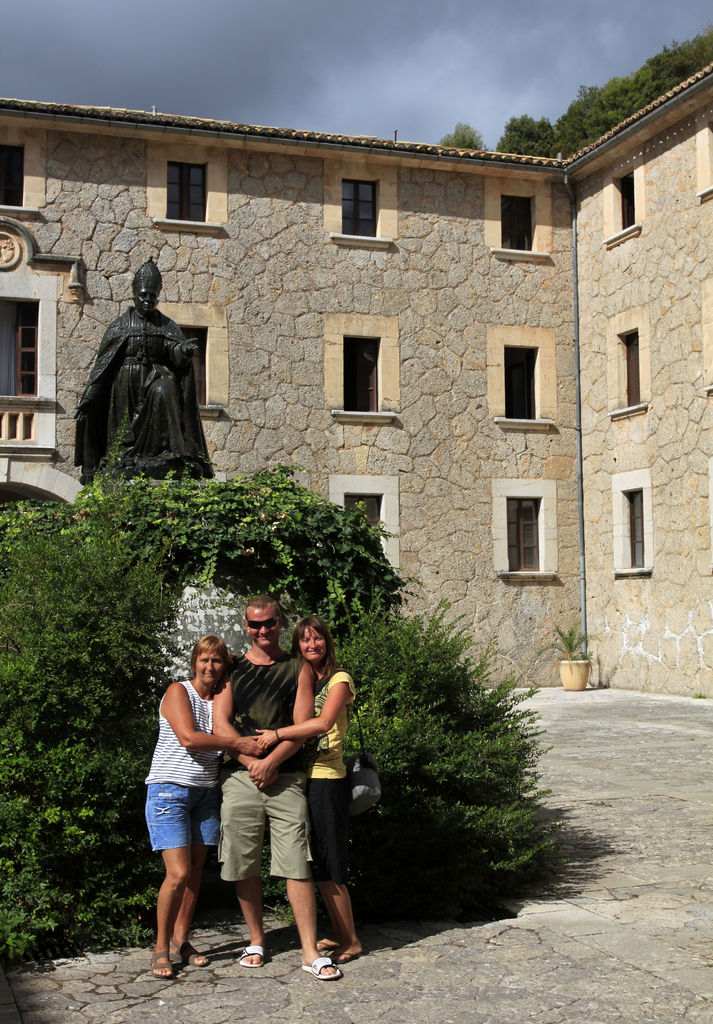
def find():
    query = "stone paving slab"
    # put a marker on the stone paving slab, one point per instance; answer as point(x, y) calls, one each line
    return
point(623, 934)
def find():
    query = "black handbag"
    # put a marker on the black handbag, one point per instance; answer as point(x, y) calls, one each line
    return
point(362, 772)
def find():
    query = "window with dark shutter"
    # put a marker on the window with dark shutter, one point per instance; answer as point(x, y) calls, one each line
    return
point(11, 175)
point(200, 336)
point(631, 354)
point(628, 211)
point(185, 191)
point(516, 222)
point(361, 359)
point(523, 545)
point(371, 503)
point(636, 528)
point(359, 207)
point(520, 383)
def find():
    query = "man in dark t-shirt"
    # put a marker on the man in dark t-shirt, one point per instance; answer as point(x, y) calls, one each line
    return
point(267, 690)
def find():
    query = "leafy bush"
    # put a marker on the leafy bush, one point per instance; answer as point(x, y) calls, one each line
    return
point(457, 825)
point(89, 598)
point(83, 627)
point(264, 530)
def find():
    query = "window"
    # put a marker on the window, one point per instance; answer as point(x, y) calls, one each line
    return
point(18, 348)
point(518, 219)
point(362, 368)
point(520, 383)
point(380, 495)
point(371, 503)
point(200, 336)
point(522, 377)
point(516, 222)
point(11, 175)
point(523, 548)
point(185, 191)
point(631, 359)
point(632, 523)
point(629, 363)
point(628, 211)
point(704, 161)
point(358, 207)
point(636, 528)
point(525, 528)
point(361, 360)
point(360, 201)
point(624, 202)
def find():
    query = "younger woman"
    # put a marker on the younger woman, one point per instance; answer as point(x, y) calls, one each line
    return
point(328, 787)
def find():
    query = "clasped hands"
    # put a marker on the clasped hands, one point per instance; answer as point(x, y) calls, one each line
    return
point(260, 770)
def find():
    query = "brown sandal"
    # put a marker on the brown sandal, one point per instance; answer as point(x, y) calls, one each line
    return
point(160, 962)
point(188, 954)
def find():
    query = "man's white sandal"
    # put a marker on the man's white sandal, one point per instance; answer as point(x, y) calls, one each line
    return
point(252, 951)
point(318, 965)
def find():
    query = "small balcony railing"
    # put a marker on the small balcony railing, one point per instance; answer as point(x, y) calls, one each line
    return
point(17, 425)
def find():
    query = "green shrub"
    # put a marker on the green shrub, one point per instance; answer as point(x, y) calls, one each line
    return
point(457, 826)
point(89, 598)
point(83, 627)
point(264, 531)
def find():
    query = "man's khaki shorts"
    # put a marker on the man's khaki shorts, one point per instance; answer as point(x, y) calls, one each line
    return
point(244, 811)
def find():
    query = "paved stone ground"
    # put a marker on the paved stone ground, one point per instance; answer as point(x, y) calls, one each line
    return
point(625, 934)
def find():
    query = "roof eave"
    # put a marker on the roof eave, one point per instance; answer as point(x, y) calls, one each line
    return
point(264, 137)
point(668, 112)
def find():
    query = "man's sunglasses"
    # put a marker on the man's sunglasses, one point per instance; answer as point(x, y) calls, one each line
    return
point(267, 623)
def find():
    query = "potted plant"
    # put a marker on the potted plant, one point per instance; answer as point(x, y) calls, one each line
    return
point(571, 645)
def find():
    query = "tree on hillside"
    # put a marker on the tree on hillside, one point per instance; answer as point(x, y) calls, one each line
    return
point(463, 136)
point(597, 109)
point(528, 136)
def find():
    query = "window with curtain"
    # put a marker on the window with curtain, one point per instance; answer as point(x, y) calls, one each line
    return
point(18, 348)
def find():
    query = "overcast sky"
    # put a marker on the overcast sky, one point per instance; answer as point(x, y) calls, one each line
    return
point(355, 67)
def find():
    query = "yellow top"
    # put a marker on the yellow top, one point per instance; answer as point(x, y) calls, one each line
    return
point(329, 763)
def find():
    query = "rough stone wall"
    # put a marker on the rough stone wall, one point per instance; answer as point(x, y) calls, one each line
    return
point(654, 633)
point(277, 274)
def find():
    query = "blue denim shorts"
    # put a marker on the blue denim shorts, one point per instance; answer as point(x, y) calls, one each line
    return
point(182, 815)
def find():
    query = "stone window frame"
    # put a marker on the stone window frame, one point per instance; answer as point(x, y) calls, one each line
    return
point(352, 168)
point(614, 232)
point(707, 333)
point(710, 503)
point(499, 338)
point(617, 328)
point(704, 157)
point(622, 484)
point(539, 191)
point(24, 285)
point(337, 327)
point(196, 314)
point(386, 486)
point(546, 492)
point(34, 171)
point(215, 160)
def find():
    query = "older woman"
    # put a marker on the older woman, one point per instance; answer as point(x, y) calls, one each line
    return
point(327, 786)
point(183, 798)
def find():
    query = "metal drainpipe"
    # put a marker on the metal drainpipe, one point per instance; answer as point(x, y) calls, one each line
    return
point(578, 413)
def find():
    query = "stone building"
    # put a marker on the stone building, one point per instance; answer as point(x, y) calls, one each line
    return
point(645, 263)
point(399, 320)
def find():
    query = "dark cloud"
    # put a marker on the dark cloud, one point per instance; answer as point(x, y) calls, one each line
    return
point(329, 65)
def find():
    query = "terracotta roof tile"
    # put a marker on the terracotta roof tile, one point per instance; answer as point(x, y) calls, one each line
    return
point(200, 124)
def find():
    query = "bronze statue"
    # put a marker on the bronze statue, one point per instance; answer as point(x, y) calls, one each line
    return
point(141, 395)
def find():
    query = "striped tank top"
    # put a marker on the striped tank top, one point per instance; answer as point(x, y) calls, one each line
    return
point(173, 763)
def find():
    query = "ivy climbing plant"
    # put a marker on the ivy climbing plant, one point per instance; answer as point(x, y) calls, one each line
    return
point(264, 531)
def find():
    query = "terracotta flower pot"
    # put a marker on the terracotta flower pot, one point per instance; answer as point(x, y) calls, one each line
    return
point(575, 674)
